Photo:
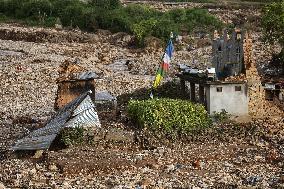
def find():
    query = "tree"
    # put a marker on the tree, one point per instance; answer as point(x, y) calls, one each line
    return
point(143, 29)
point(273, 26)
point(106, 4)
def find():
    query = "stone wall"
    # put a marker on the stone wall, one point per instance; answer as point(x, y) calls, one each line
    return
point(258, 106)
point(228, 53)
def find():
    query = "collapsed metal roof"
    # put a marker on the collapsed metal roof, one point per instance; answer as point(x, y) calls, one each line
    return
point(87, 75)
point(80, 112)
point(104, 96)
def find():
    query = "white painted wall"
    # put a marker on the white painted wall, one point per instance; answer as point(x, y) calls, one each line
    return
point(234, 102)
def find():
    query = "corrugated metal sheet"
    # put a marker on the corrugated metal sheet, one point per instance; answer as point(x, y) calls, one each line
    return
point(86, 104)
point(84, 115)
point(80, 111)
point(87, 75)
point(104, 96)
point(34, 143)
point(87, 118)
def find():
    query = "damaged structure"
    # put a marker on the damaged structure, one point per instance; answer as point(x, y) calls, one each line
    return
point(80, 112)
point(231, 96)
point(75, 104)
point(73, 80)
point(228, 53)
point(237, 88)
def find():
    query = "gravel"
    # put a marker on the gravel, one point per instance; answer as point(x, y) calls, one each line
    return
point(223, 157)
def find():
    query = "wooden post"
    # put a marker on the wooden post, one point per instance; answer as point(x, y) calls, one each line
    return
point(201, 94)
point(182, 84)
point(192, 91)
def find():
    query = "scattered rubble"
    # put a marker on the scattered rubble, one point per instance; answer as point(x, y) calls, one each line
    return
point(231, 156)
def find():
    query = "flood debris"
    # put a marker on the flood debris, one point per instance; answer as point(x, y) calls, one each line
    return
point(73, 80)
point(224, 156)
point(238, 88)
point(78, 113)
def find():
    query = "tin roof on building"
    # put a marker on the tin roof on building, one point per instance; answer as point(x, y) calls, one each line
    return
point(104, 96)
point(87, 75)
point(79, 112)
point(194, 78)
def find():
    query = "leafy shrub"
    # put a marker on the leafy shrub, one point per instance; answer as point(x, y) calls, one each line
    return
point(60, 5)
point(50, 22)
point(142, 21)
point(76, 136)
point(106, 4)
point(168, 115)
point(72, 136)
point(273, 25)
point(220, 116)
point(74, 15)
point(11, 7)
point(36, 8)
point(143, 28)
point(114, 20)
point(3, 18)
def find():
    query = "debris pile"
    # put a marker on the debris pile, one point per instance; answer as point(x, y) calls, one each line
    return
point(209, 161)
point(78, 113)
point(40, 35)
point(29, 62)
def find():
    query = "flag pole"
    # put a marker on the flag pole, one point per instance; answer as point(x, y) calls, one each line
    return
point(168, 43)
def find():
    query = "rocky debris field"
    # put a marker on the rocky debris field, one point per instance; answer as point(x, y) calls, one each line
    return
point(231, 12)
point(29, 68)
point(225, 156)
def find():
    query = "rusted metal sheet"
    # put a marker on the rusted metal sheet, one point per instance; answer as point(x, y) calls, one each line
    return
point(70, 90)
point(79, 112)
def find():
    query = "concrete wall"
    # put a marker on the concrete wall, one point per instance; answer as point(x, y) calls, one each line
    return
point(234, 102)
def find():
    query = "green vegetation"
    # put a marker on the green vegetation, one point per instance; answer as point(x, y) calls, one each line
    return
point(194, 1)
point(273, 26)
point(72, 136)
point(169, 116)
point(139, 20)
point(261, 1)
point(76, 136)
point(221, 117)
point(273, 23)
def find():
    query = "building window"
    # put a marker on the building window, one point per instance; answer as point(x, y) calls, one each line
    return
point(238, 50)
point(239, 36)
point(219, 89)
point(238, 88)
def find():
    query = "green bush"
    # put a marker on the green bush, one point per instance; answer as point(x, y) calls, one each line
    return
point(114, 20)
point(72, 136)
point(141, 21)
point(74, 15)
point(143, 28)
point(106, 4)
point(221, 117)
point(76, 136)
point(36, 8)
point(50, 22)
point(168, 115)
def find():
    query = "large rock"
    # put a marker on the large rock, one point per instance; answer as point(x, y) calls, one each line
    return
point(2, 186)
